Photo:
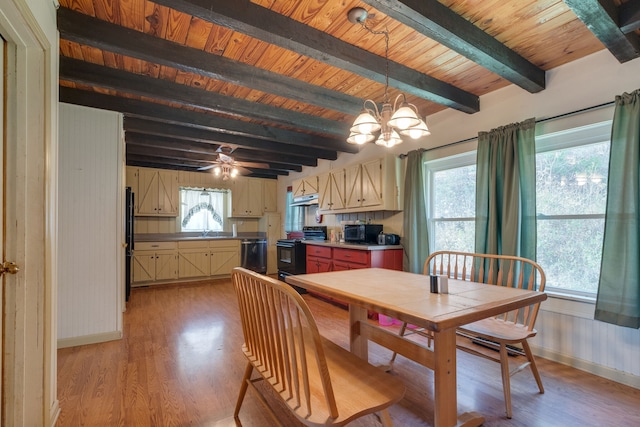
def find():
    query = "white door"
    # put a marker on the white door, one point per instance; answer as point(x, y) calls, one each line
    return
point(27, 219)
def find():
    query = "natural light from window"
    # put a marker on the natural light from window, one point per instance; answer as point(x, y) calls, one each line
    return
point(571, 196)
point(202, 209)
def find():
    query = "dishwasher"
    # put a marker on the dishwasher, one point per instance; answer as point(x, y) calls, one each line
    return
point(254, 255)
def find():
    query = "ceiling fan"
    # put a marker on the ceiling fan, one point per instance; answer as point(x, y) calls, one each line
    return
point(227, 167)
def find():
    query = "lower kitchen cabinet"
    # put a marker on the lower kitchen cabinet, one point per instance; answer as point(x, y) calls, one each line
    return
point(318, 259)
point(193, 259)
point(158, 262)
point(224, 256)
point(154, 261)
point(327, 258)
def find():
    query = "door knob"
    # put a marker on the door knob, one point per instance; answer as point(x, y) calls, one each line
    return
point(9, 267)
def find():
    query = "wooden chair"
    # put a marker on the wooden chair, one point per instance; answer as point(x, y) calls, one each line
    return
point(507, 333)
point(320, 382)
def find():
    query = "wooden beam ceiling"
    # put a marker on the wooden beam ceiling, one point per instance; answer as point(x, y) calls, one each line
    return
point(279, 30)
point(438, 22)
point(82, 29)
point(167, 114)
point(603, 17)
point(150, 127)
point(86, 73)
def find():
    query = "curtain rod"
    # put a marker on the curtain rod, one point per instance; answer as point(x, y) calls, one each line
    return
point(559, 116)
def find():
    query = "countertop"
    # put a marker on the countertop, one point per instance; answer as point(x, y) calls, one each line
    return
point(173, 237)
point(358, 246)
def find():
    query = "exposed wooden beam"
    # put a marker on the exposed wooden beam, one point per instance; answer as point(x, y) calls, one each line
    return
point(159, 163)
point(438, 22)
point(133, 138)
point(81, 28)
point(239, 154)
point(151, 127)
point(110, 78)
point(629, 16)
point(274, 28)
point(601, 16)
point(190, 166)
point(167, 114)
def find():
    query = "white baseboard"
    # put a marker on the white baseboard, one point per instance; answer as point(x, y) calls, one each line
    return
point(593, 368)
point(89, 339)
point(54, 413)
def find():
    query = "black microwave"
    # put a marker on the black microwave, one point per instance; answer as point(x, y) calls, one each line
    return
point(362, 233)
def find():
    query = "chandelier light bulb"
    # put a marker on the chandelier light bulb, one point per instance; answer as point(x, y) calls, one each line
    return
point(365, 123)
point(404, 118)
point(216, 171)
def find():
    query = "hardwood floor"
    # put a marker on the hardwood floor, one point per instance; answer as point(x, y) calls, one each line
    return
point(180, 364)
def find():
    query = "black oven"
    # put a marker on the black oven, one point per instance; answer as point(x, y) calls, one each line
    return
point(292, 253)
point(291, 256)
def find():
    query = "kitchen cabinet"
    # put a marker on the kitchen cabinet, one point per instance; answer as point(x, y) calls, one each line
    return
point(247, 198)
point(157, 261)
point(270, 195)
point(331, 191)
point(318, 259)
point(365, 187)
point(350, 259)
point(157, 193)
point(364, 184)
point(305, 186)
point(270, 224)
point(322, 258)
point(193, 259)
point(224, 256)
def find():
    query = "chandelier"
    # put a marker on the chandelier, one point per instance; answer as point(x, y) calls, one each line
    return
point(392, 120)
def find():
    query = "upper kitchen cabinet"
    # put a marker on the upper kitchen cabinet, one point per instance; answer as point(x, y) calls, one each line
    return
point(305, 186)
point(364, 187)
point(155, 191)
point(247, 197)
point(331, 191)
point(367, 186)
point(270, 195)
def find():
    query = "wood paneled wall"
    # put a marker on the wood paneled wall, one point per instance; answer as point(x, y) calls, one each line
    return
point(91, 225)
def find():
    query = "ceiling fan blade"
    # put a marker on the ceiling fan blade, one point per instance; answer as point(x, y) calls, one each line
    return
point(206, 168)
point(242, 171)
point(253, 165)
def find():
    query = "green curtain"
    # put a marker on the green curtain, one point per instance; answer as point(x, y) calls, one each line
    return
point(506, 191)
point(415, 237)
point(618, 300)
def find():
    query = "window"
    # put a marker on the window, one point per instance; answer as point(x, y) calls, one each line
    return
point(202, 209)
point(451, 202)
point(571, 195)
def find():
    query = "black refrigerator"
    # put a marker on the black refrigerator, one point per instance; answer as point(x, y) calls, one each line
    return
point(128, 239)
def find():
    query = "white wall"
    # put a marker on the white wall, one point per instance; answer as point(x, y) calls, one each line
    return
point(568, 332)
point(91, 217)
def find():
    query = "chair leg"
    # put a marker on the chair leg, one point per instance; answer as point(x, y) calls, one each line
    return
point(385, 418)
point(401, 333)
point(532, 365)
point(506, 381)
point(243, 388)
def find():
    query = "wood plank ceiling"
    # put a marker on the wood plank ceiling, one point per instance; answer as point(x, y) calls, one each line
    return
point(280, 81)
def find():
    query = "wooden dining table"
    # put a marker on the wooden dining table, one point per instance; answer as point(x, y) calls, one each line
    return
point(407, 297)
